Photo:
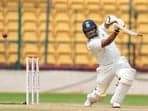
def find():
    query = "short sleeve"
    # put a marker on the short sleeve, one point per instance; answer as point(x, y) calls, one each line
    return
point(94, 44)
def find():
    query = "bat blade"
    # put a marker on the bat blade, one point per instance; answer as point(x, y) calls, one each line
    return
point(126, 30)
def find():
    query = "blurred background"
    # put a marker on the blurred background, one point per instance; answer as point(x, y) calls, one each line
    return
point(51, 30)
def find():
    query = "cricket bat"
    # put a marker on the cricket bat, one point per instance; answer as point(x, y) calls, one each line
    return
point(128, 31)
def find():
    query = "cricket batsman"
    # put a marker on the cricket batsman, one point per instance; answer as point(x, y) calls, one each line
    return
point(111, 63)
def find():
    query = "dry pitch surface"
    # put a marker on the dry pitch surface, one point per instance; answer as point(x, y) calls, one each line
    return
point(68, 107)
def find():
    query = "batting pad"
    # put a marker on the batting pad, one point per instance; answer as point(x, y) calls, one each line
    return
point(121, 91)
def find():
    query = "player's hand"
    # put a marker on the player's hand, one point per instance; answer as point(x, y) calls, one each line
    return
point(111, 19)
point(115, 28)
point(120, 22)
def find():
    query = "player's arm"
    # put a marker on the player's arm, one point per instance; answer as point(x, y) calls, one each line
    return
point(109, 21)
point(109, 40)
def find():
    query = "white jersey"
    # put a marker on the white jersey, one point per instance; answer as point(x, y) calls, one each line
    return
point(106, 55)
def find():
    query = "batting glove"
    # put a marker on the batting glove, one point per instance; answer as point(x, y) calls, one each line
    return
point(115, 28)
point(120, 22)
point(110, 19)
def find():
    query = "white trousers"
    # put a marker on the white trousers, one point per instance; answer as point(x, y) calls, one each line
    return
point(119, 68)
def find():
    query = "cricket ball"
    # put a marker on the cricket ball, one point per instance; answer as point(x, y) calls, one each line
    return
point(4, 35)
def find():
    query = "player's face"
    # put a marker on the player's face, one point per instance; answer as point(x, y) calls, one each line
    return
point(91, 33)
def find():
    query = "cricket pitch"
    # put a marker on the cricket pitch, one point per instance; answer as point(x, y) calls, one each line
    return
point(68, 107)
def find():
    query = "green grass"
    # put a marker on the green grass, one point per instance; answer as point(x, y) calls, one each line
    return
point(16, 98)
